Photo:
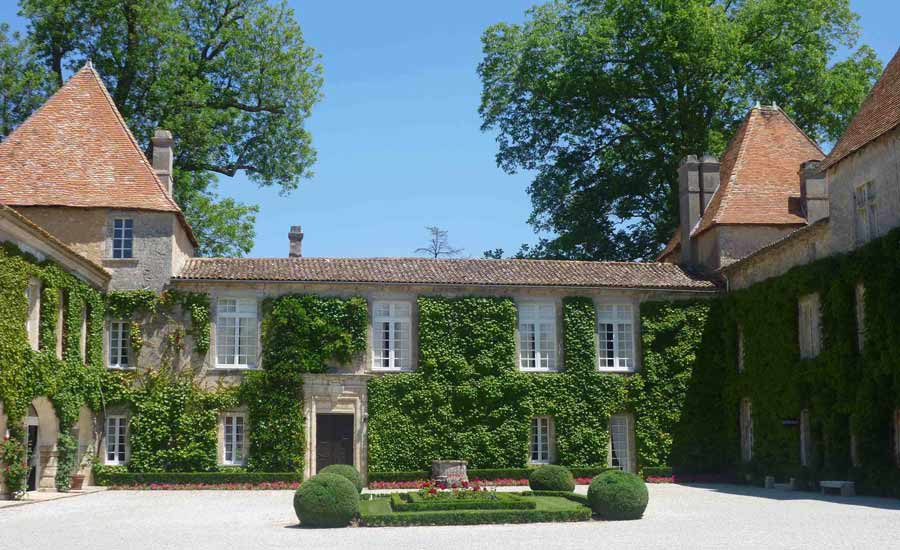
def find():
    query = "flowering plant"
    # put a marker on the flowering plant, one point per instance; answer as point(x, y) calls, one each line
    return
point(14, 466)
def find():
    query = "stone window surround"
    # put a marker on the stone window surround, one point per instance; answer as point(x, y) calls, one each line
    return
point(631, 455)
point(411, 330)
point(220, 437)
point(551, 440)
point(213, 330)
point(809, 325)
point(105, 445)
point(122, 245)
point(635, 331)
point(107, 346)
point(557, 334)
point(33, 314)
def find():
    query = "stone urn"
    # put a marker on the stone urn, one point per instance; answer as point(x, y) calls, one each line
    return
point(451, 472)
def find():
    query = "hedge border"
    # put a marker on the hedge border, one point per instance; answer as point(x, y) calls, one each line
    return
point(405, 502)
point(574, 497)
point(107, 478)
point(475, 517)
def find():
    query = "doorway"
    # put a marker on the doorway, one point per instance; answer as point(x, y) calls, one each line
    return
point(31, 445)
point(334, 440)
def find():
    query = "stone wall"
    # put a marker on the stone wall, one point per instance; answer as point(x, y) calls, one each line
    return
point(803, 247)
point(722, 245)
point(878, 162)
point(157, 246)
point(361, 365)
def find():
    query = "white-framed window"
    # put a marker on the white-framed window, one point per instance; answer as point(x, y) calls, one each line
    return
point(391, 335)
point(805, 438)
point(740, 348)
point(119, 344)
point(61, 307)
point(236, 332)
point(123, 238)
point(621, 451)
point(82, 338)
point(537, 336)
point(33, 314)
point(233, 439)
point(860, 295)
point(866, 212)
point(746, 430)
point(616, 331)
point(540, 440)
point(810, 326)
point(116, 439)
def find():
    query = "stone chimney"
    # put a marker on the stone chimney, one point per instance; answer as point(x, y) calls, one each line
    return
point(697, 182)
point(813, 191)
point(295, 235)
point(709, 180)
point(162, 157)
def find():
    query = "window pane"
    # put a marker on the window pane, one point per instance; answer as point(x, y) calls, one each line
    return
point(620, 456)
point(391, 335)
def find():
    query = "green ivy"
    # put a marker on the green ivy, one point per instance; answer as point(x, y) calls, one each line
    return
point(843, 390)
point(69, 382)
point(301, 333)
point(468, 400)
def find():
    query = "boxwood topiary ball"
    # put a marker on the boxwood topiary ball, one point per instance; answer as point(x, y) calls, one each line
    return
point(618, 495)
point(347, 471)
point(551, 478)
point(326, 500)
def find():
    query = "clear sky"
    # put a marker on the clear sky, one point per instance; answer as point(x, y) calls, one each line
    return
point(398, 133)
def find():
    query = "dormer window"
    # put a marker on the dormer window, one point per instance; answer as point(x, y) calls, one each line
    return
point(123, 238)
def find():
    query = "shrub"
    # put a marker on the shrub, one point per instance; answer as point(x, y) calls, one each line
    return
point(618, 495)
point(326, 500)
point(347, 471)
point(551, 478)
point(116, 475)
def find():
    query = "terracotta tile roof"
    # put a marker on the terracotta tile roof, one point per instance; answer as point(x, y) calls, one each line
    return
point(448, 272)
point(77, 151)
point(41, 233)
point(759, 173)
point(879, 113)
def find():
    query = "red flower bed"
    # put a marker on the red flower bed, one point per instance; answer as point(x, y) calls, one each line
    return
point(660, 479)
point(263, 486)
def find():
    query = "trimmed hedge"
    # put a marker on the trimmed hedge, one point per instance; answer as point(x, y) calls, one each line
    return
point(476, 517)
point(661, 471)
point(486, 474)
point(413, 502)
point(346, 471)
point(618, 495)
point(106, 476)
point(574, 497)
point(551, 478)
point(326, 500)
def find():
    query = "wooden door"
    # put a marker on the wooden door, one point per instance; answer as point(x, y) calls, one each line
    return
point(334, 440)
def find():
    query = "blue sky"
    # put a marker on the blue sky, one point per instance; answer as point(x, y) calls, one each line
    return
point(398, 133)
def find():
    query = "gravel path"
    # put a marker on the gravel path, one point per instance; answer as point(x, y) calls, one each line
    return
point(692, 517)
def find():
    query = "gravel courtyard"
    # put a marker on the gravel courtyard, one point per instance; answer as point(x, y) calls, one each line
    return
point(678, 517)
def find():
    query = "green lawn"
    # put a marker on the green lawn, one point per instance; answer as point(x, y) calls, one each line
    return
point(378, 512)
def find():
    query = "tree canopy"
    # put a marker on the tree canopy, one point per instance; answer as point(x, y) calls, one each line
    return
point(603, 98)
point(233, 80)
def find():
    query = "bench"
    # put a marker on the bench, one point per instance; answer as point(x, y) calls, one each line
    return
point(847, 488)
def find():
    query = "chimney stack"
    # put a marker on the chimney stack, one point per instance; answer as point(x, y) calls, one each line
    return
point(162, 157)
point(295, 235)
point(813, 191)
point(697, 182)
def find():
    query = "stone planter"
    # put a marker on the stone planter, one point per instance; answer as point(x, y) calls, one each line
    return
point(449, 471)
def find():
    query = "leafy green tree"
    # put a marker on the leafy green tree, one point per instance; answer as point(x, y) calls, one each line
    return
point(24, 82)
point(603, 98)
point(232, 79)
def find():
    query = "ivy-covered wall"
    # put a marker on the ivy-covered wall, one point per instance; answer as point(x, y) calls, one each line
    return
point(844, 389)
point(26, 374)
point(468, 399)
